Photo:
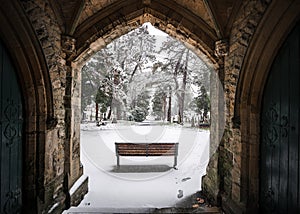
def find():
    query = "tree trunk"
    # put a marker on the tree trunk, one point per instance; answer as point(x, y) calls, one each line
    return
point(193, 122)
point(178, 93)
point(179, 115)
point(182, 94)
point(135, 69)
point(109, 112)
point(164, 108)
point(169, 107)
point(118, 111)
point(97, 111)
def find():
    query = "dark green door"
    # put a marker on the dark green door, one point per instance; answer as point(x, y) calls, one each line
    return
point(279, 151)
point(11, 125)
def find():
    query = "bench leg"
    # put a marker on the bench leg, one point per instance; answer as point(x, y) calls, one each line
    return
point(175, 162)
point(118, 161)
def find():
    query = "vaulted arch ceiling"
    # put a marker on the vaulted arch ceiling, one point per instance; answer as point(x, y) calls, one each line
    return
point(209, 20)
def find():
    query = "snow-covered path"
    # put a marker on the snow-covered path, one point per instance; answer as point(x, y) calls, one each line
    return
point(142, 182)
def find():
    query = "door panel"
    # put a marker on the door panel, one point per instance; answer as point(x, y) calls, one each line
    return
point(279, 150)
point(11, 125)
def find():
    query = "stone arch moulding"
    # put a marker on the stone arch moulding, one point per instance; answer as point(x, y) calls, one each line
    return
point(120, 18)
point(123, 16)
point(27, 56)
point(279, 20)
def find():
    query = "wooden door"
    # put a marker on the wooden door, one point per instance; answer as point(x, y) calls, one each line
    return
point(11, 125)
point(279, 151)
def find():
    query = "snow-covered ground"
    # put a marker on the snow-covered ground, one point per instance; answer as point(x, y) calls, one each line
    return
point(141, 182)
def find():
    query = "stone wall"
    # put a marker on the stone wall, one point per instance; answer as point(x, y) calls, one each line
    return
point(234, 152)
point(59, 155)
point(60, 166)
point(58, 149)
point(62, 159)
point(51, 159)
point(211, 182)
point(225, 168)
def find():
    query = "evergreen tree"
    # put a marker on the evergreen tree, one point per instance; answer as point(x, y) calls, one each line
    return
point(121, 62)
point(159, 104)
point(140, 107)
point(88, 88)
point(132, 63)
point(202, 102)
point(103, 97)
point(183, 66)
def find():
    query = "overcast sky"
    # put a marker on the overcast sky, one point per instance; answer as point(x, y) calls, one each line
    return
point(155, 31)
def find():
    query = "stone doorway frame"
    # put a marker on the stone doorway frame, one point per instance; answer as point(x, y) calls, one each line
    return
point(35, 85)
point(275, 26)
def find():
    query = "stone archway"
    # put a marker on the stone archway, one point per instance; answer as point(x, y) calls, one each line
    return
point(35, 86)
point(58, 49)
point(179, 25)
point(62, 45)
point(278, 21)
point(121, 17)
point(88, 41)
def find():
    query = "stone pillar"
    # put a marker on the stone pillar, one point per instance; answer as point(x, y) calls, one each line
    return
point(73, 168)
point(213, 181)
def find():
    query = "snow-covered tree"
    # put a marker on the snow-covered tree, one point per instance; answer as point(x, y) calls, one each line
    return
point(159, 104)
point(89, 84)
point(122, 63)
point(103, 98)
point(132, 64)
point(175, 65)
point(181, 67)
point(201, 103)
point(140, 106)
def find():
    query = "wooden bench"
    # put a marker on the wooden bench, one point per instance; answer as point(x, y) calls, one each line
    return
point(147, 149)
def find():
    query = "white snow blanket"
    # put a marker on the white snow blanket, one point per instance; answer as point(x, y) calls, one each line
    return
point(141, 182)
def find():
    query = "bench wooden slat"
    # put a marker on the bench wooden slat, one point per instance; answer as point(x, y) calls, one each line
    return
point(150, 147)
point(147, 149)
point(146, 153)
point(123, 145)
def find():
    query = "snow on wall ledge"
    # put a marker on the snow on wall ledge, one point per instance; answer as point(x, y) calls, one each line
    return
point(78, 190)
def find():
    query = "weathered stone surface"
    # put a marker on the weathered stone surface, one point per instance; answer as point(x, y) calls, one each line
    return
point(53, 138)
point(243, 29)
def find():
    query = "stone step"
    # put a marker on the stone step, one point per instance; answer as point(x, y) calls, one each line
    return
point(95, 210)
point(208, 210)
point(84, 210)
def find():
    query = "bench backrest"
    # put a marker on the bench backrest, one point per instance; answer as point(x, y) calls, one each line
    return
point(147, 149)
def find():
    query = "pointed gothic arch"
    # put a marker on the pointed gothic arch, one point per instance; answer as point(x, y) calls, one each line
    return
point(105, 26)
point(278, 21)
point(35, 85)
point(121, 17)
